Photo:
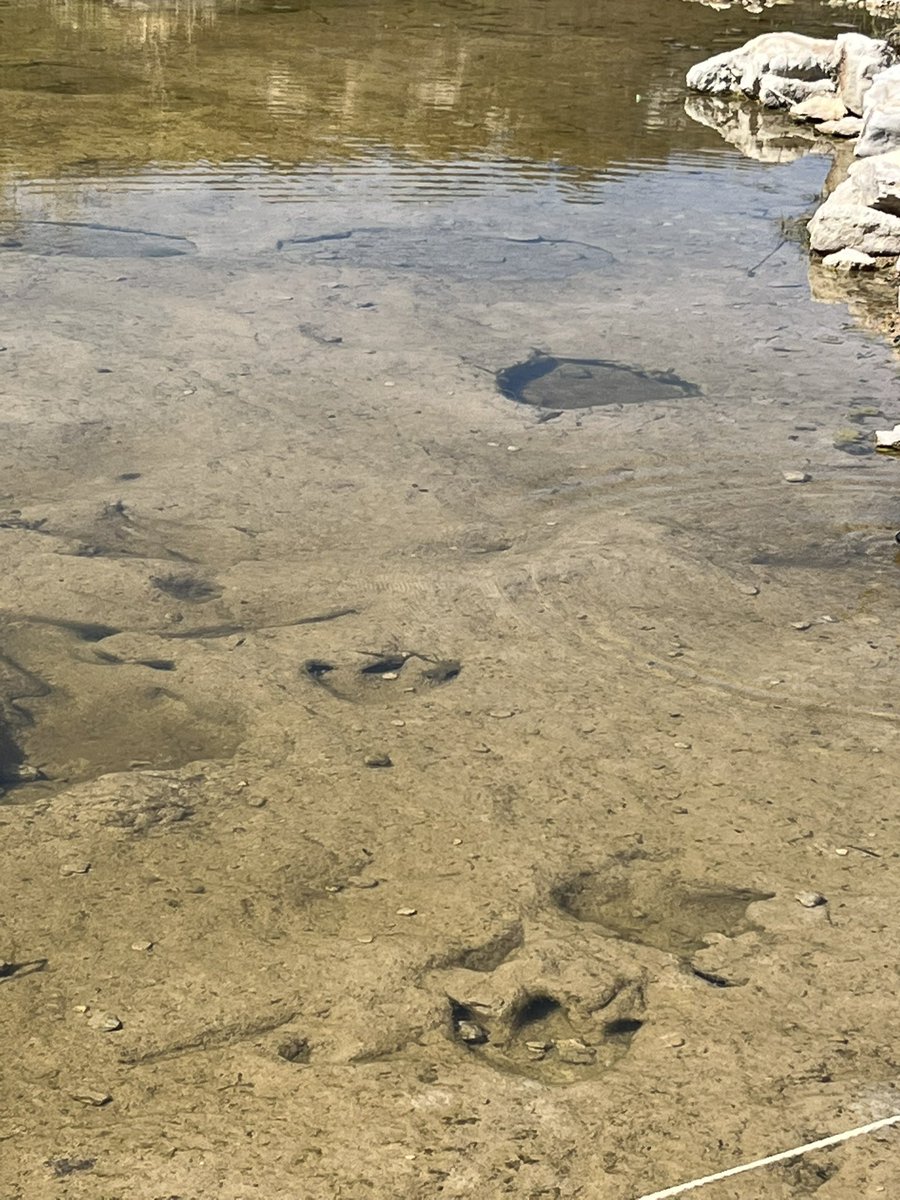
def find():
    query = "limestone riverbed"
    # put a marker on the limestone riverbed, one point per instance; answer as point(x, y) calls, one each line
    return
point(515, 913)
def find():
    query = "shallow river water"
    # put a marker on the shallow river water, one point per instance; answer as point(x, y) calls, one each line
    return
point(459, 339)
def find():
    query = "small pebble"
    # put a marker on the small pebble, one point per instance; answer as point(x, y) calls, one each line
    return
point(682, 745)
point(257, 802)
point(378, 760)
point(842, 851)
point(74, 868)
point(95, 1099)
point(512, 449)
point(104, 1022)
point(398, 724)
point(501, 714)
point(672, 1040)
point(571, 1050)
point(795, 476)
point(801, 625)
point(810, 899)
point(749, 590)
point(390, 675)
point(406, 912)
point(540, 1048)
point(366, 941)
point(457, 841)
point(471, 1032)
point(142, 946)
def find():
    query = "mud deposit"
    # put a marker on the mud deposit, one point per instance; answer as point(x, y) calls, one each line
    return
point(406, 792)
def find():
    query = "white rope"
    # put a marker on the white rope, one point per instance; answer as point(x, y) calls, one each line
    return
point(835, 1140)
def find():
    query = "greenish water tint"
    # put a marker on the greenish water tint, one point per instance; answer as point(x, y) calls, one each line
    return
point(433, 98)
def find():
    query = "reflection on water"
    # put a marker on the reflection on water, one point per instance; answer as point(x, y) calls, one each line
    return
point(291, 98)
point(764, 134)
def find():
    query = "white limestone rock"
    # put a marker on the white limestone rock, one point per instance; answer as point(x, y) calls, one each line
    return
point(828, 107)
point(861, 60)
point(888, 439)
point(776, 68)
point(845, 221)
point(784, 69)
point(877, 181)
point(783, 91)
point(881, 115)
point(846, 127)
